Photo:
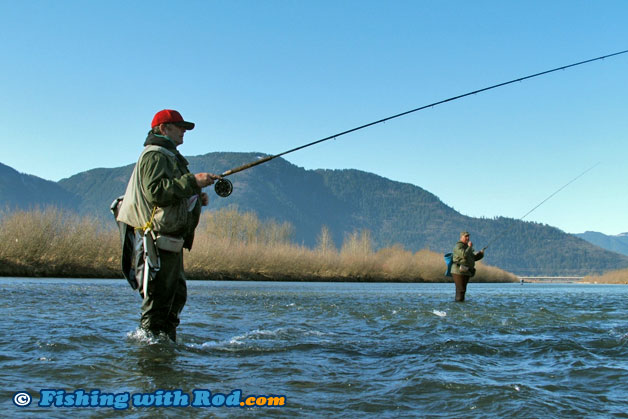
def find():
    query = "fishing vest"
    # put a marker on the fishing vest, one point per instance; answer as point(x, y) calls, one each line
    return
point(136, 211)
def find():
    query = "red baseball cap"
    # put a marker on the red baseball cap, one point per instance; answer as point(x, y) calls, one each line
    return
point(169, 116)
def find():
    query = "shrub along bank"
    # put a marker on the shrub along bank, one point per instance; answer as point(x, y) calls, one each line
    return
point(228, 245)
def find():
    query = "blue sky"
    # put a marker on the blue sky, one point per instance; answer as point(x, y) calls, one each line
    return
point(81, 80)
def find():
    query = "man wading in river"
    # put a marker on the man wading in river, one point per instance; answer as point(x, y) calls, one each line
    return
point(163, 203)
point(463, 267)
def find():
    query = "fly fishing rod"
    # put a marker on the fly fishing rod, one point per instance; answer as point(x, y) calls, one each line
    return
point(223, 187)
point(541, 203)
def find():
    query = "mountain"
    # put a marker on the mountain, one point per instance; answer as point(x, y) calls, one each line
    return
point(618, 243)
point(22, 191)
point(350, 200)
point(98, 188)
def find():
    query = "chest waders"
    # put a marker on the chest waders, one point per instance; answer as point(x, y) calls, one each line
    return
point(157, 243)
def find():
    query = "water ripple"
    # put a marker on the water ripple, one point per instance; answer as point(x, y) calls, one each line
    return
point(343, 350)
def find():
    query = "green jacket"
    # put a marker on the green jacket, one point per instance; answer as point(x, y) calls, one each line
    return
point(161, 180)
point(465, 257)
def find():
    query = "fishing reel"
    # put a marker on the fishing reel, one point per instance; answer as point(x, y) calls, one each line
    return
point(223, 187)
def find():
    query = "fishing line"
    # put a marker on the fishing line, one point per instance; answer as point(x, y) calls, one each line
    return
point(223, 187)
point(542, 202)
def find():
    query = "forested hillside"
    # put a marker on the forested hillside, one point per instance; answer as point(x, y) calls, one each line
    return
point(618, 243)
point(23, 191)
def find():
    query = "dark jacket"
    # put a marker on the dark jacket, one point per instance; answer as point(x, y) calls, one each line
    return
point(165, 183)
point(464, 257)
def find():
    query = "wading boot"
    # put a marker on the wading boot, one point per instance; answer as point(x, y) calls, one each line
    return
point(172, 334)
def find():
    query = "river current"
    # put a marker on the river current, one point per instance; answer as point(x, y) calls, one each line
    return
point(324, 349)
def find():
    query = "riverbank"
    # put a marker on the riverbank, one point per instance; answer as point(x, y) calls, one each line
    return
point(229, 245)
point(613, 277)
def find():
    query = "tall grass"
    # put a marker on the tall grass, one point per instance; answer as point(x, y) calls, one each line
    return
point(228, 245)
point(51, 242)
point(225, 247)
point(612, 277)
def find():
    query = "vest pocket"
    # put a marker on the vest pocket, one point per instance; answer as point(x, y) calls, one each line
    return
point(169, 243)
point(171, 219)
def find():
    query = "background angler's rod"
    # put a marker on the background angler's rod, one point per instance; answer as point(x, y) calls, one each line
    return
point(542, 202)
point(224, 187)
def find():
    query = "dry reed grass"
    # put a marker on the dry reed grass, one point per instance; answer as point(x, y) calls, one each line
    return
point(228, 245)
point(51, 242)
point(612, 277)
point(234, 252)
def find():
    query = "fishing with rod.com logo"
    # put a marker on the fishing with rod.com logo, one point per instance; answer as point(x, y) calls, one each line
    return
point(199, 398)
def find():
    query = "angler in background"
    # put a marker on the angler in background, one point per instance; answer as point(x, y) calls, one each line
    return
point(162, 204)
point(463, 267)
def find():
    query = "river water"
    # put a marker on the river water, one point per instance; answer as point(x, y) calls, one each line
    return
point(331, 349)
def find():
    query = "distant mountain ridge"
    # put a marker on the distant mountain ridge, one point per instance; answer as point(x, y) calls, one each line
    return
point(350, 200)
point(23, 191)
point(618, 243)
